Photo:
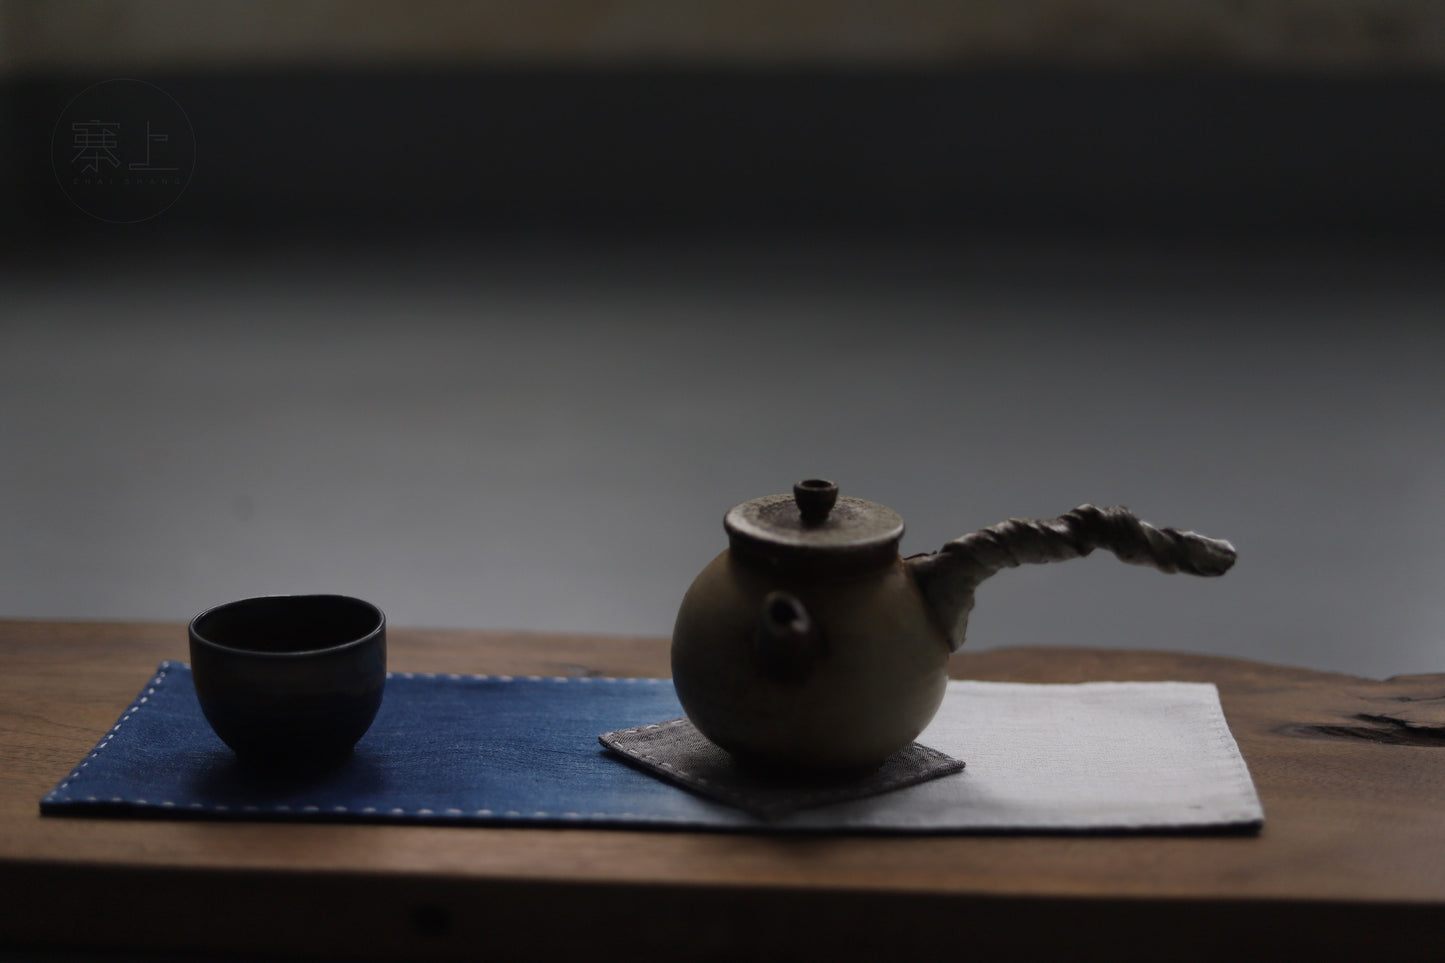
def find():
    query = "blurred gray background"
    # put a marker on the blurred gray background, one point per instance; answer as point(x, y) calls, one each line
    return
point(524, 400)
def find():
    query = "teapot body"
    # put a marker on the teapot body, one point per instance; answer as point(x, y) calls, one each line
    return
point(868, 678)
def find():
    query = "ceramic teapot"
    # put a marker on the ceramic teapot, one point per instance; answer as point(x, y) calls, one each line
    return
point(810, 644)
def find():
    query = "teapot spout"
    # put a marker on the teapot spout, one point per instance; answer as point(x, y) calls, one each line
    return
point(788, 640)
point(949, 576)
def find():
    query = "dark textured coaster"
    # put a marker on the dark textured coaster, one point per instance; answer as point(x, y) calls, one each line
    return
point(677, 752)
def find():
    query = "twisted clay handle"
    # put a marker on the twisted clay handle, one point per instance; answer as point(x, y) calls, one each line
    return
point(949, 576)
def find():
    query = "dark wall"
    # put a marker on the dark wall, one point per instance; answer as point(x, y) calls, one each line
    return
point(373, 151)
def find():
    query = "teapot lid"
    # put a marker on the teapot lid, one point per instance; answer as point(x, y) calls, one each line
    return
point(816, 530)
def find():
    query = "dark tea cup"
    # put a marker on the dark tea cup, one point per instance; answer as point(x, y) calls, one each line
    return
point(290, 680)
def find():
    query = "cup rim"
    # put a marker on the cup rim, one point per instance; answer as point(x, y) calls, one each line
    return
point(369, 635)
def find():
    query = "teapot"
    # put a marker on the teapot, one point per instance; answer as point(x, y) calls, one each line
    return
point(810, 645)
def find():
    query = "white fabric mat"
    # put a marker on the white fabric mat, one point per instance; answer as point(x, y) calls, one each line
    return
point(1093, 756)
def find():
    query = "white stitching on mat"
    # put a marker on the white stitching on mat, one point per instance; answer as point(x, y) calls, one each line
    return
point(672, 724)
point(134, 707)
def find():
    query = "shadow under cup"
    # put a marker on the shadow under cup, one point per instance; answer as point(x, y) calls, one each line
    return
point(290, 679)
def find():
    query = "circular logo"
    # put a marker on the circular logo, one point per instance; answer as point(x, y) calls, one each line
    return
point(123, 151)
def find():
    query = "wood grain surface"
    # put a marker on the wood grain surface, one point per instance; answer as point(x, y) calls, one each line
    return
point(1351, 858)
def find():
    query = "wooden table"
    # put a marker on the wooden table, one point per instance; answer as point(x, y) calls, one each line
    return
point(1350, 863)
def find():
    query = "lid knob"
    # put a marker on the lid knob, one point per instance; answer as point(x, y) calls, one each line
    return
point(815, 498)
point(814, 531)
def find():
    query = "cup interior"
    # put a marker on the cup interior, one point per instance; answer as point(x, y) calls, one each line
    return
point(288, 624)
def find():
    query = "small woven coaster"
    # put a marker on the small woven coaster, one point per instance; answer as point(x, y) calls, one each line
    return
point(677, 752)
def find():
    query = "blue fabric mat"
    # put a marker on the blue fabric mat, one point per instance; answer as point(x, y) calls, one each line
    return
point(443, 748)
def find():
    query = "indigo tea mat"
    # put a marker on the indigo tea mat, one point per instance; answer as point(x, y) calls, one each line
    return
point(1122, 756)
